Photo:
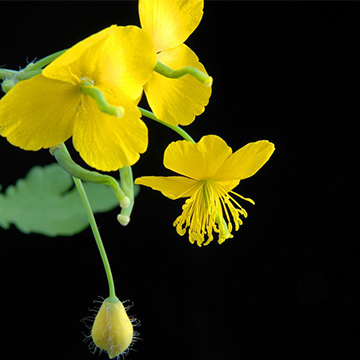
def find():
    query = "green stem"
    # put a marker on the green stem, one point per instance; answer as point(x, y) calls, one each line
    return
point(95, 93)
point(186, 70)
point(19, 75)
point(6, 73)
point(95, 230)
point(127, 184)
point(65, 161)
point(31, 69)
point(43, 62)
point(177, 129)
point(25, 75)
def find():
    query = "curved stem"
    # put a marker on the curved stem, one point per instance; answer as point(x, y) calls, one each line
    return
point(65, 161)
point(177, 129)
point(95, 230)
point(100, 100)
point(186, 70)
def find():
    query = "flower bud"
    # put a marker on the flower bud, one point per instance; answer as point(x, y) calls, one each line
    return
point(8, 84)
point(112, 330)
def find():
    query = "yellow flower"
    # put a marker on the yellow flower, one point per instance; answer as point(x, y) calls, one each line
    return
point(50, 108)
point(211, 172)
point(112, 330)
point(170, 23)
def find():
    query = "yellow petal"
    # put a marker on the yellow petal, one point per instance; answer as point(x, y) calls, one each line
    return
point(246, 161)
point(174, 187)
point(170, 22)
point(108, 143)
point(119, 61)
point(39, 113)
point(177, 101)
point(228, 185)
point(67, 66)
point(198, 161)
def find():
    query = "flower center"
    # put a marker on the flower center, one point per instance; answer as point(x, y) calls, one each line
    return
point(210, 208)
point(84, 80)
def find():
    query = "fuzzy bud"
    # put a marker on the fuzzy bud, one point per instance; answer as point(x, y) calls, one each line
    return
point(112, 330)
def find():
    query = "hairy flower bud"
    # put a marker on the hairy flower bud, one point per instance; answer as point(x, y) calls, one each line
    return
point(112, 330)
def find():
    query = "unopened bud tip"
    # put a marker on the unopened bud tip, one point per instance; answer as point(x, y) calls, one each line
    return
point(123, 219)
point(7, 85)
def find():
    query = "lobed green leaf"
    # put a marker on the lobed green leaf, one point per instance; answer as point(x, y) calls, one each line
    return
point(46, 202)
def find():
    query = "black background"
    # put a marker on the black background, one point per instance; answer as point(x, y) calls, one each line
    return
point(287, 285)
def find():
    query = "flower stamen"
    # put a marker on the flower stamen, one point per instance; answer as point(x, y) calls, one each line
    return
point(208, 210)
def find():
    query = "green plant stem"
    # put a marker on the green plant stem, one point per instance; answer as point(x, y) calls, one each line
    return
point(64, 159)
point(89, 89)
point(44, 61)
point(6, 73)
point(19, 75)
point(186, 70)
point(30, 70)
point(95, 230)
point(177, 129)
point(127, 184)
point(26, 75)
